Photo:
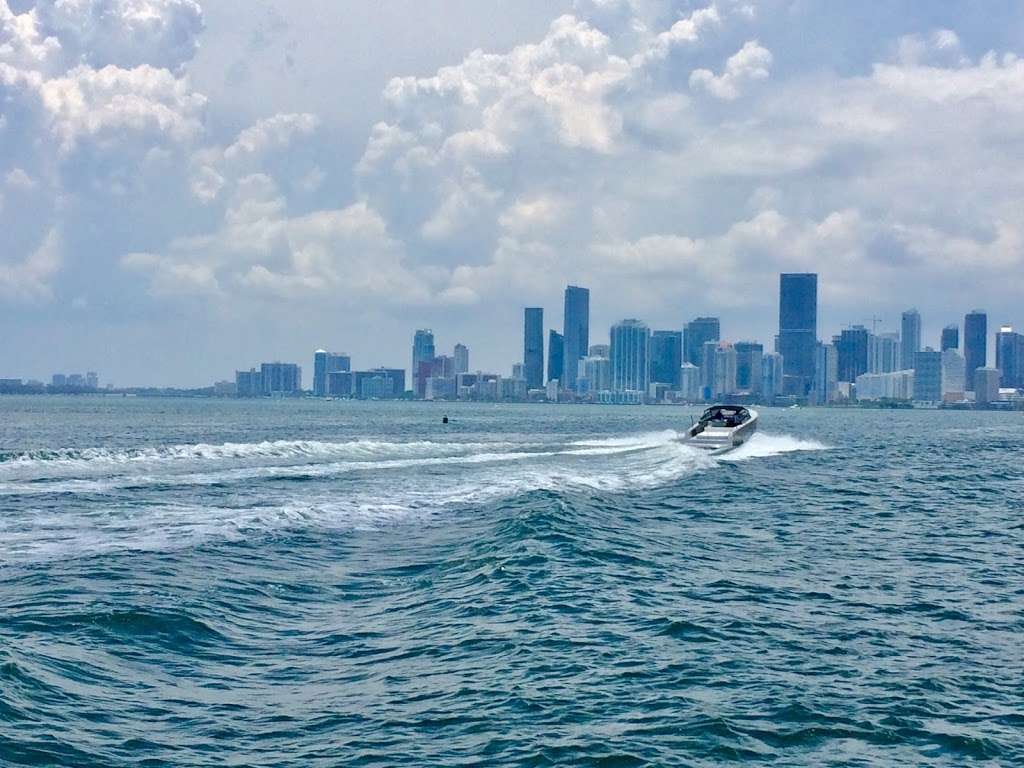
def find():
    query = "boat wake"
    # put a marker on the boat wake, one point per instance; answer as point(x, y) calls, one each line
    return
point(98, 500)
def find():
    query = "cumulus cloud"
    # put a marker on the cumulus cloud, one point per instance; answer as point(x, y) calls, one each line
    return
point(124, 33)
point(641, 147)
point(29, 280)
point(749, 63)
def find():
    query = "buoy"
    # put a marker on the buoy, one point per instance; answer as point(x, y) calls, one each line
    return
point(445, 419)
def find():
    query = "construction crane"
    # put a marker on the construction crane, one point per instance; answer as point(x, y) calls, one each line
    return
point(874, 320)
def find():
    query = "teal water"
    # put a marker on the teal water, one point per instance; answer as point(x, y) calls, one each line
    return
point(204, 583)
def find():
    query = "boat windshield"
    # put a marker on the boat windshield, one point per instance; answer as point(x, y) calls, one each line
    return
point(725, 416)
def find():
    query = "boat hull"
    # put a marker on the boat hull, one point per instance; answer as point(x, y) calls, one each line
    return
point(720, 440)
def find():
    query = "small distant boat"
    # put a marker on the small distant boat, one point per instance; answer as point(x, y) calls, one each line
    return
point(721, 428)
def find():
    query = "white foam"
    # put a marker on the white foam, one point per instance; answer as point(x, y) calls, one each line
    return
point(386, 481)
point(763, 445)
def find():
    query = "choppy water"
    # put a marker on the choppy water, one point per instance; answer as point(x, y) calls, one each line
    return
point(319, 584)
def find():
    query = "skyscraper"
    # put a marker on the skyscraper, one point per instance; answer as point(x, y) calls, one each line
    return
point(724, 380)
point(910, 338)
point(630, 349)
point(533, 347)
point(576, 333)
point(556, 355)
point(826, 374)
point(852, 349)
point(928, 376)
point(320, 372)
point(281, 378)
point(884, 353)
point(975, 343)
point(748, 366)
point(953, 381)
point(950, 337)
point(798, 330)
point(695, 333)
point(461, 357)
point(1010, 357)
point(707, 369)
point(666, 357)
point(771, 376)
point(986, 385)
point(422, 360)
point(324, 364)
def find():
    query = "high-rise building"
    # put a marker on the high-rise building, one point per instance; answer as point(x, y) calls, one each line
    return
point(600, 350)
point(826, 374)
point(950, 337)
point(798, 330)
point(422, 360)
point(771, 376)
point(666, 357)
point(324, 364)
point(320, 372)
point(975, 343)
point(461, 357)
point(533, 347)
point(248, 383)
point(707, 370)
point(954, 382)
point(576, 333)
point(1010, 357)
point(597, 372)
point(281, 378)
point(689, 382)
point(630, 355)
point(910, 338)
point(986, 385)
point(928, 376)
point(884, 353)
point(724, 383)
point(852, 349)
point(695, 334)
point(897, 385)
point(340, 383)
point(92, 380)
point(556, 356)
point(59, 380)
point(749, 355)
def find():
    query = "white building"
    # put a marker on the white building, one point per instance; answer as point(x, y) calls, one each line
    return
point(897, 385)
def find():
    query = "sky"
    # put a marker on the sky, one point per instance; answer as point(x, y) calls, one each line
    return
point(190, 187)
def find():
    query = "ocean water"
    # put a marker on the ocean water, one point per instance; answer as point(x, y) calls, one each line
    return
point(212, 583)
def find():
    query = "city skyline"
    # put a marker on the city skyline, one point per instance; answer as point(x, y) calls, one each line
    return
point(189, 190)
point(945, 334)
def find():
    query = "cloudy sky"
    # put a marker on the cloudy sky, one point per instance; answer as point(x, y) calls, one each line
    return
point(188, 187)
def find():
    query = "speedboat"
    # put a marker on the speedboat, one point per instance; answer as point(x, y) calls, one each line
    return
point(721, 428)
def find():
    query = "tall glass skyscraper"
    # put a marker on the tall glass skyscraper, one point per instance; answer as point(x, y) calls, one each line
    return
point(320, 372)
point(630, 350)
point(422, 360)
point(576, 332)
point(556, 355)
point(695, 333)
point(950, 338)
point(461, 356)
point(533, 347)
point(798, 330)
point(324, 364)
point(748, 366)
point(910, 338)
point(975, 343)
point(1010, 357)
point(852, 349)
point(666, 357)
